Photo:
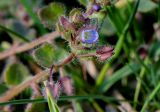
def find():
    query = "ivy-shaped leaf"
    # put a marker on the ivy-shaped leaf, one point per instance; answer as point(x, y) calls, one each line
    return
point(50, 14)
point(47, 55)
point(15, 73)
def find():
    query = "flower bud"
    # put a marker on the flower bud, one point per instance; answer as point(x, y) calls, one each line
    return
point(66, 24)
point(104, 49)
point(67, 85)
point(54, 88)
point(105, 52)
point(76, 16)
point(143, 51)
point(96, 7)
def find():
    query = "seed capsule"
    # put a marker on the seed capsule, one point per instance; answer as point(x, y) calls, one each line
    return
point(89, 36)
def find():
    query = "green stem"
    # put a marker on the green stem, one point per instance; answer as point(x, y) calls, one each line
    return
point(118, 46)
point(139, 83)
point(151, 96)
point(64, 98)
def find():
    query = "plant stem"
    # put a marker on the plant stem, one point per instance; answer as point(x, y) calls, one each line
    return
point(67, 60)
point(118, 46)
point(139, 83)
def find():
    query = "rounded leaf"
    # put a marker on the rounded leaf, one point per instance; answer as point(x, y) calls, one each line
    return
point(47, 55)
point(15, 73)
point(50, 14)
point(44, 55)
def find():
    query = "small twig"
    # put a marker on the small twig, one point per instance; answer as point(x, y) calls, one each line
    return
point(28, 46)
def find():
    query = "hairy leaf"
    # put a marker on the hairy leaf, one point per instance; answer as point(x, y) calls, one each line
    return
point(50, 14)
point(15, 73)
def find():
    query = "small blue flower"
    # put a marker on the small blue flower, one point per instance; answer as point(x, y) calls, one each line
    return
point(89, 36)
point(96, 7)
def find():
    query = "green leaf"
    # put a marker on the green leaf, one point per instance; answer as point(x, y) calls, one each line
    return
point(107, 28)
point(14, 33)
point(146, 6)
point(3, 88)
point(50, 14)
point(119, 44)
point(123, 72)
point(84, 2)
point(6, 3)
point(15, 73)
point(44, 55)
point(78, 107)
point(154, 51)
point(20, 29)
point(150, 97)
point(47, 55)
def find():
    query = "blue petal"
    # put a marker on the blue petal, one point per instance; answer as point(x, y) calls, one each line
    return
point(89, 36)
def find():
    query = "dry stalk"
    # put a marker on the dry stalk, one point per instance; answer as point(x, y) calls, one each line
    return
point(28, 46)
point(16, 90)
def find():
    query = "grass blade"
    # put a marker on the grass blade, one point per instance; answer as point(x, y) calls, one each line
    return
point(123, 72)
point(118, 46)
point(34, 16)
point(151, 96)
point(62, 98)
point(14, 33)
